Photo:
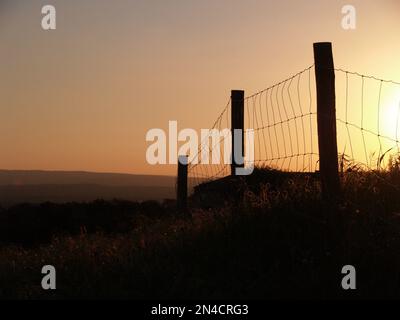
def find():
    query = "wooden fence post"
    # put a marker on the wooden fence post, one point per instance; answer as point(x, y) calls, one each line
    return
point(326, 118)
point(237, 122)
point(182, 184)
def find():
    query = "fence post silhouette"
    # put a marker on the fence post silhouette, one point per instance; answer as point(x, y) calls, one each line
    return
point(237, 122)
point(326, 119)
point(182, 184)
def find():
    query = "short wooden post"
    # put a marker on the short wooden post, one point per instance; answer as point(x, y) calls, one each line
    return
point(182, 184)
point(326, 118)
point(237, 122)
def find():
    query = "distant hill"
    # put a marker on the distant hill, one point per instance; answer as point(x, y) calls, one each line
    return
point(34, 177)
point(63, 186)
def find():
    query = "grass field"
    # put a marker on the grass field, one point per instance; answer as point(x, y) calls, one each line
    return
point(277, 240)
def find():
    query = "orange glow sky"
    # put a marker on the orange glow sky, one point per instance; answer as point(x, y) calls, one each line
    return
point(82, 97)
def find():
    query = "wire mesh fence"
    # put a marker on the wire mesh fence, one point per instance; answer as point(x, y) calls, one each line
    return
point(284, 119)
point(368, 111)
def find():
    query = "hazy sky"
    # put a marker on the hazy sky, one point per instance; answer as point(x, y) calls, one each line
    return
point(83, 96)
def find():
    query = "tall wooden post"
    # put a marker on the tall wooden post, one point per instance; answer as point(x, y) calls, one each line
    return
point(182, 184)
point(237, 122)
point(326, 117)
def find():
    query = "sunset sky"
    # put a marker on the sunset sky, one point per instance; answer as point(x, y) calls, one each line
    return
point(83, 96)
